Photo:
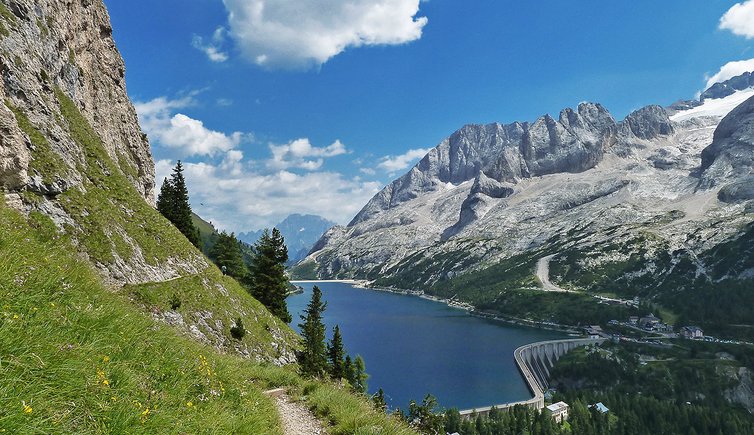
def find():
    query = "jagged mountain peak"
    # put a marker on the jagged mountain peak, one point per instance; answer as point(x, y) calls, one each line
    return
point(728, 87)
point(495, 190)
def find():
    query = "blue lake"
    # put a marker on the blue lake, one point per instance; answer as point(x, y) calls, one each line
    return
point(413, 346)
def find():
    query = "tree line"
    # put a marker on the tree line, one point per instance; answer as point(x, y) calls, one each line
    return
point(263, 277)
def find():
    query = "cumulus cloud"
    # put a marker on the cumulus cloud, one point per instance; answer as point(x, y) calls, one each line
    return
point(213, 47)
point(181, 133)
point(740, 19)
point(300, 153)
point(730, 70)
point(403, 161)
point(296, 34)
point(245, 199)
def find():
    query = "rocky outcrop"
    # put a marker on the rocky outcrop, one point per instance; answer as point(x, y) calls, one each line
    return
point(70, 143)
point(728, 87)
point(647, 123)
point(731, 154)
point(66, 44)
point(575, 142)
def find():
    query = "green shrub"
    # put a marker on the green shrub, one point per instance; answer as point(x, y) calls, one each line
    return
point(237, 331)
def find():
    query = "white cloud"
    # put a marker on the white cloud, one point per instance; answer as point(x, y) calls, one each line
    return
point(403, 161)
point(213, 47)
point(301, 154)
point(296, 34)
point(245, 199)
point(740, 19)
point(730, 70)
point(184, 135)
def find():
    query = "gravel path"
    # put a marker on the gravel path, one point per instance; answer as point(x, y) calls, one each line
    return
point(297, 420)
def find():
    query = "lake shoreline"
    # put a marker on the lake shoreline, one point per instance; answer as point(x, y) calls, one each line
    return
point(469, 308)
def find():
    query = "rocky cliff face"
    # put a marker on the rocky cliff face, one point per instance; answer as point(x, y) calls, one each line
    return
point(730, 157)
point(69, 45)
point(71, 150)
point(70, 143)
point(492, 192)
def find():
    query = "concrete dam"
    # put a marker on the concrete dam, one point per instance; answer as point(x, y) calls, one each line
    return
point(535, 361)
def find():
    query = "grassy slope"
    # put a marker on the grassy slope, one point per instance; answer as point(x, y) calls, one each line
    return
point(78, 358)
point(62, 335)
point(85, 360)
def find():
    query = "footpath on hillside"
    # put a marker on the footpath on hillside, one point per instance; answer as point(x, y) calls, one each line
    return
point(296, 418)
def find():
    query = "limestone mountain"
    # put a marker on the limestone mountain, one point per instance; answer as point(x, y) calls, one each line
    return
point(301, 232)
point(628, 201)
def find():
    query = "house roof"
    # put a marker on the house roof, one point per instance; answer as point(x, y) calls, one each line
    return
point(601, 407)
point(557, 407)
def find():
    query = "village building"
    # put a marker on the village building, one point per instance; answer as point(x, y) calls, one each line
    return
point(599, 406)
point(692, 332)
point(594, 331)
point(649, 321)
point(558, 411)
point(633, 320)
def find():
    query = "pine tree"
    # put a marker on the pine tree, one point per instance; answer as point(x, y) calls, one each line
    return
point(173, 203)
point(226, 252)
point(360, 375)
point(166, 199)
point(379, 401)
point(267, 280)
point(312, 358)
point(335, 354)
point(348, 371)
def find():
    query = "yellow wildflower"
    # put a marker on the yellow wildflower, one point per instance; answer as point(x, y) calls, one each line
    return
point(144, 415)
point(189, 404)
point(105, 358)
point(15, 317)
point(106, 382)
point(52, 304)
point(27, 408)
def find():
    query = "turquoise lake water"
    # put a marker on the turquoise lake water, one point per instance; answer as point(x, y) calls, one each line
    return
point(413, 346)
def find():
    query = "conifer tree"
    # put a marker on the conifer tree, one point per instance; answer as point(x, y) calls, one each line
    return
point(267, 280)
point(312, 358)
point(226, 252)
point(173, 203)
point(166, 199)
point(379, 401)
point(348, 371)
point(335, 354)
point(360, 375)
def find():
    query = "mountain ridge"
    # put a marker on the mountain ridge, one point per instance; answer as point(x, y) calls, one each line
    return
point(452, 216)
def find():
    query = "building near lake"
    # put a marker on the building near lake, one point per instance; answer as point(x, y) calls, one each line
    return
point(692, 332)
point(558, 411)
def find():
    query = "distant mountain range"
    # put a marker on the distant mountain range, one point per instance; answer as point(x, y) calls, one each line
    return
point(659, 205)
point(301, 232)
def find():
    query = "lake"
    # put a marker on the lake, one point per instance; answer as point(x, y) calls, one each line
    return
point(413, 346)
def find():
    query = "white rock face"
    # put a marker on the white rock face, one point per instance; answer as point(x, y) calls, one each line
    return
point(517, 186)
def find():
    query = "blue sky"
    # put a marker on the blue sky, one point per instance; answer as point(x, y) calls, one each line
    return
point(282, 106)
